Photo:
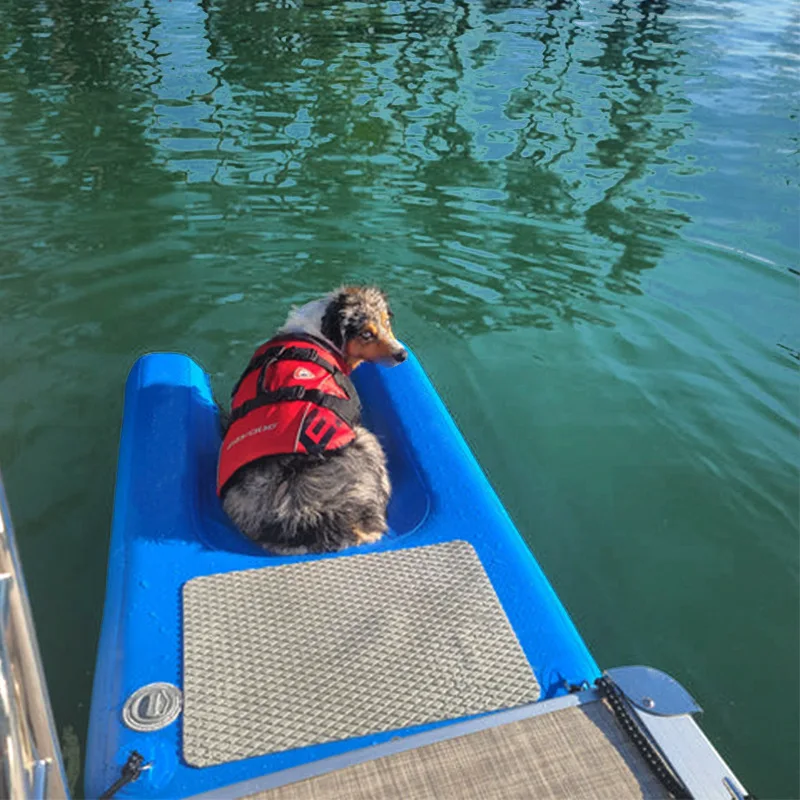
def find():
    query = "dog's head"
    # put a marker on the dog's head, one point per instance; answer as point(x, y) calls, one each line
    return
point(357, 320)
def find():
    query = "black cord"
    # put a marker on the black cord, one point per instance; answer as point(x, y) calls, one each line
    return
point(131, 770)
point(616, 700)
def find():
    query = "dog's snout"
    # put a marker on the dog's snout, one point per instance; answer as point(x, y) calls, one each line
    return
point(400, 355)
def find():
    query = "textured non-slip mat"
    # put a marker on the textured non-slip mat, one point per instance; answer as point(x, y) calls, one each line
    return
point(289, 656)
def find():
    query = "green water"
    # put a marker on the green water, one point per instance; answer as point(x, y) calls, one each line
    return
point(586, 215)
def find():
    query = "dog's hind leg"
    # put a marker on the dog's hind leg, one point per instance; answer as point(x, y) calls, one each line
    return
point(371, 525)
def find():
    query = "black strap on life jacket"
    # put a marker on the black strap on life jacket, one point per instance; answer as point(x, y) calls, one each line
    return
point(348, 409)
point(294, 353)
point(345, 409)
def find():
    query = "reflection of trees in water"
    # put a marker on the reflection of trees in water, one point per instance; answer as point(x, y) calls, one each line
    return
point(76, 120)
point(558, 269)
point(640, 50)
point(378, 107)
point(369, 132)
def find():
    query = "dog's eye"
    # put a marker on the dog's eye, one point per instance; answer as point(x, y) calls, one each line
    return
point(367, 335)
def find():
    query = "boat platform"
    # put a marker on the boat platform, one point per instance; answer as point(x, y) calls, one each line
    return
point(572, 747)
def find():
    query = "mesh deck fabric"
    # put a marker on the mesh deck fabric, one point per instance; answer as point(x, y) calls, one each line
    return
point(299, 654)
point(578, 753)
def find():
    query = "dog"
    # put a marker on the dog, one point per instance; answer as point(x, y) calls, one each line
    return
point(297, 472)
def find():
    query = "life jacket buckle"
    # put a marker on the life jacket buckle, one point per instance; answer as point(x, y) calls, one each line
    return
point(295, 392)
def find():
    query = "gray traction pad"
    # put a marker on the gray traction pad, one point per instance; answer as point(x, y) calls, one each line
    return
point(299, 654)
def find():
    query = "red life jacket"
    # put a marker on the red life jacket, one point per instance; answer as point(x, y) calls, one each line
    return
point(295, 396)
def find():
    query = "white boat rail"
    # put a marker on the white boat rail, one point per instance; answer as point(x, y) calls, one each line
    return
point(31, 766)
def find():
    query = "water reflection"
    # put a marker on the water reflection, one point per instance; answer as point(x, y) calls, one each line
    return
point(455, 131)
point(643, 52)
point(75, 128)
point(500, 153)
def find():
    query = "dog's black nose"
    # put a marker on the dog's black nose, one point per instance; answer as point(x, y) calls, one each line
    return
point(400, 356)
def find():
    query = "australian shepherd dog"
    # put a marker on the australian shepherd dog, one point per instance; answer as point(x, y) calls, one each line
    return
point(298, 473)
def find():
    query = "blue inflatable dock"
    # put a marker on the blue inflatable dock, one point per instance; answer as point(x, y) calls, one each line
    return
point(169, 529)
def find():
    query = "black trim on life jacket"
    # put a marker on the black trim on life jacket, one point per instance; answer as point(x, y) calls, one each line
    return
point(345, 409)
point(348, 409)
point(297, 354)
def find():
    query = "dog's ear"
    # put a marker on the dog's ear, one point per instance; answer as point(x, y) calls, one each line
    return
point(332, 326)
point(343, 318)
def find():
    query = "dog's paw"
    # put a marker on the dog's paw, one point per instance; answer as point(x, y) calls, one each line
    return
point(367, 537)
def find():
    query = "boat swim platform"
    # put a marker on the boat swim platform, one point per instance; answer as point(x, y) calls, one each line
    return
point(578, 753)
point(571, 747)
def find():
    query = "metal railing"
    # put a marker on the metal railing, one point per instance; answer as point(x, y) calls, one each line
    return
point(30, 757)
